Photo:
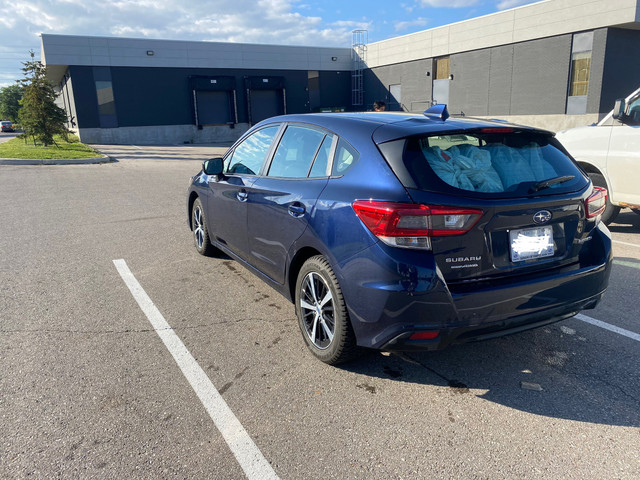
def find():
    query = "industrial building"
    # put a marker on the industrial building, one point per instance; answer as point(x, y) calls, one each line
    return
point(553, 64)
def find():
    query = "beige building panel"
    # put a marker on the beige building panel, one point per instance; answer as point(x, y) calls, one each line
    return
point(372, 55)
point(537, 20)
point(500, 20)
point(482, 42)
point(564, 25)
point(567, 19)
point(440, 36)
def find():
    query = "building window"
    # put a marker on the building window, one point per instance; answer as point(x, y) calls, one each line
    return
point(579, 77)
point(442, 68)
point(580, 67)
point(105, 98)
point(106, 104)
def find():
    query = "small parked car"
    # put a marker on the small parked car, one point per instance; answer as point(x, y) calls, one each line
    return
point(6, 126)
point(609, 152)
point(397, 231)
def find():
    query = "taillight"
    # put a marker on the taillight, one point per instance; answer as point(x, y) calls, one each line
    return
point(596, 203)
point(410, 225)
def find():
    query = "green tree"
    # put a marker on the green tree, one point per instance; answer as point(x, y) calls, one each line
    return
point(39, 116)
point(10, 102)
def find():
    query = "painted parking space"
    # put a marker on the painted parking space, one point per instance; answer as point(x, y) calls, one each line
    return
point(92, 388)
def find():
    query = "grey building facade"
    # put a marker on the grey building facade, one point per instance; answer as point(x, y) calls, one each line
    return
point(527, 79)
point(119, 90)
point(553, 64)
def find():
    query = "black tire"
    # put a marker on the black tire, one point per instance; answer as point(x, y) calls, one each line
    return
point(611, 211)
point(636, 210)
point(322, 313)
point(200, 231)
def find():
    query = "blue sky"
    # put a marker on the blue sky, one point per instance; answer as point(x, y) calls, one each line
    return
point(285, 22)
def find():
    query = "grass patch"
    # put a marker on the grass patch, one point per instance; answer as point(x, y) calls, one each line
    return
point(17, 148)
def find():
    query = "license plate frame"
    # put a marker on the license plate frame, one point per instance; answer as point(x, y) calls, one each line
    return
point(531, 243)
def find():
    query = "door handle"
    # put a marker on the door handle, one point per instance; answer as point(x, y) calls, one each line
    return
point(296, 210)
point(242, 195)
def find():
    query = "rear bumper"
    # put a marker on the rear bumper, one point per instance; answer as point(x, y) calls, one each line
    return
point(486, 331)
point(415, 298)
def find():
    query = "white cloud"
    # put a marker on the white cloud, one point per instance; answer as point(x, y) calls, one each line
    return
point(448, 3)
point(506, 4)
point(247, 21)
point(267, 21)
point(418, 22)
point(407, 8)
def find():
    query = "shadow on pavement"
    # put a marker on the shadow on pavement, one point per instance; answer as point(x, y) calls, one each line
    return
point(626, 222)
point(552, 371)
point(191, 152)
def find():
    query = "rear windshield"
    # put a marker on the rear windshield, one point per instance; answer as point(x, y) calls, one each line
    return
point(498, 161)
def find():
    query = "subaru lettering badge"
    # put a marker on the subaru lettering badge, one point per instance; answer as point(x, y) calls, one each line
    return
point(543, 216)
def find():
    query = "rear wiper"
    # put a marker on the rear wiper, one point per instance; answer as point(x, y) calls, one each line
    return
point(552, 181)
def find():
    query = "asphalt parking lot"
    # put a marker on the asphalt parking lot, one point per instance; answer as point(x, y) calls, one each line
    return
point(93, 384)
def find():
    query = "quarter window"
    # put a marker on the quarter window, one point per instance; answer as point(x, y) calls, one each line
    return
point(346, 156)
point(250, 154)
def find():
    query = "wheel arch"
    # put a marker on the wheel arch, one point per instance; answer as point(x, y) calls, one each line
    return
point(298, 260)
point(192, 199)
point(589, 168)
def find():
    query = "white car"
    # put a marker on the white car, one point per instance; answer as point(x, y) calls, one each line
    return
point(609, 152)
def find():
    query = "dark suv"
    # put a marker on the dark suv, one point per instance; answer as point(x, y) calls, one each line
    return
point(396, 231)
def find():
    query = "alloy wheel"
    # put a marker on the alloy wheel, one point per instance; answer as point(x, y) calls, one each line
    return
point(317, 308)
point(198, 229)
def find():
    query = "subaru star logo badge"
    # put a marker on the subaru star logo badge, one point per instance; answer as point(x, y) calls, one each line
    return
point(543, 216)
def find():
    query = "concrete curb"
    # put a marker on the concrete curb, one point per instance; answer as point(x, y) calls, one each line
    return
point(56, 161)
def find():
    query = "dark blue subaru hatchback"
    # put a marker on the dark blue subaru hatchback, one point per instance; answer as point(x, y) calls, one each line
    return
point(397, 232)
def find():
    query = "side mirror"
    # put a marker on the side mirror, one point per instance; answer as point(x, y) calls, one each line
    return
point(619, 108)
point(213, 166)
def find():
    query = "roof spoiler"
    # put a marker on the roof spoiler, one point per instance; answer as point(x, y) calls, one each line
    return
point(437, 112)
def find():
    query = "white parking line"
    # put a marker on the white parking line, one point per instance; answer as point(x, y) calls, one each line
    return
point(626, 243)
point(608, 326)
point(247, 454)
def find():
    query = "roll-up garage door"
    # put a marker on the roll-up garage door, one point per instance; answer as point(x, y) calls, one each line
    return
point(266, 97)
point(214, 100)
point(213, 108)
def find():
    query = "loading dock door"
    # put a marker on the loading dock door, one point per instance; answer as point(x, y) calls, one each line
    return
point(266, 97)
point(213, 100)
point(213, 108)
point(264, 104)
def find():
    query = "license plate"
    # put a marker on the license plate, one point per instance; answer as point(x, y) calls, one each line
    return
point(531, 243)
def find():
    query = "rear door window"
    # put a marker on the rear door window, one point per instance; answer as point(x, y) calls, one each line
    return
point(296, 152)
point(319, 168)
point(498, 161)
